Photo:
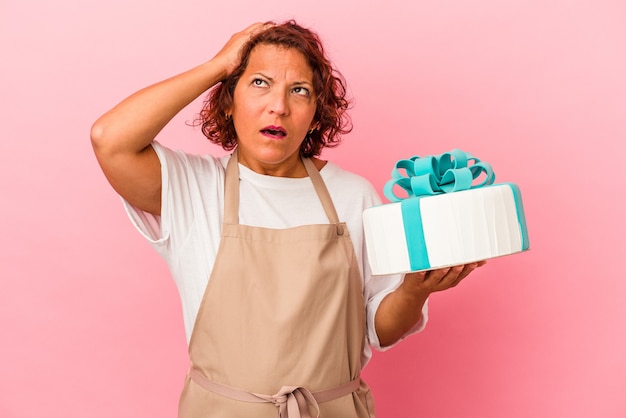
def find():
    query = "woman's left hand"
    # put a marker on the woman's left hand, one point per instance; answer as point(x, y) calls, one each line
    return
point(439, 279)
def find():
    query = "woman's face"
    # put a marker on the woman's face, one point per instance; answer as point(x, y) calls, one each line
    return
point(273, 108)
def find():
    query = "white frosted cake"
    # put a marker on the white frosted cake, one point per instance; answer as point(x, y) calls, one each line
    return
point(447, 229)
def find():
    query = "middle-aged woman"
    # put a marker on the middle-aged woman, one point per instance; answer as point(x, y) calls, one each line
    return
point(266, 244)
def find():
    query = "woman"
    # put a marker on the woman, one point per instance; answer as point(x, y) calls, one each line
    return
point(266, 245)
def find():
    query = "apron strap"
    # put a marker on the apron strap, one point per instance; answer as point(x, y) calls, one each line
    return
point(231, 190)
point(322, 191)
point(291, 401)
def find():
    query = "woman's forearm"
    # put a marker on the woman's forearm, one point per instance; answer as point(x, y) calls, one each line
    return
point(134, 123)
point(398, 312)
point(401, 309)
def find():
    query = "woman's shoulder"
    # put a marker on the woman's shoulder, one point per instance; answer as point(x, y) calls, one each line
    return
point(347, 182)
point(334, 172)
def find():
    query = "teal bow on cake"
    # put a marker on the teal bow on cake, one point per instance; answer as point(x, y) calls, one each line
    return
point(445, 173)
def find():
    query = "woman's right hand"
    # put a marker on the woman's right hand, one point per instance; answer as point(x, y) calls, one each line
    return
point(228, 57)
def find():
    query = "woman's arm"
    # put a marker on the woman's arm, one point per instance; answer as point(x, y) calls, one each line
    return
point(400, 310)
point(121, 138)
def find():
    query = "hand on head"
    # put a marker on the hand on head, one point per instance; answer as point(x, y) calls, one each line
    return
point(229, 54)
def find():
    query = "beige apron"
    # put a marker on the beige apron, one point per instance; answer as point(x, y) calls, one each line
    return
point(281, 327)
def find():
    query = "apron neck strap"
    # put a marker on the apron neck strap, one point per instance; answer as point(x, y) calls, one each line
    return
point(231, 190)
point(322, 191)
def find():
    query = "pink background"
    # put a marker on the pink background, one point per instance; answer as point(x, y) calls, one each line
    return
point(89, 317)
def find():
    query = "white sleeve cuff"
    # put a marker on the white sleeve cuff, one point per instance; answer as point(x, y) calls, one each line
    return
point(154, 229)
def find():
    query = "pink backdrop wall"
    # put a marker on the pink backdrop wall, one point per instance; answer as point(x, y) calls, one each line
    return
point(89, 318)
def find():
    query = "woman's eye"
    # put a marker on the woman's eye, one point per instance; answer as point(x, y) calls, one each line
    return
point(259, 82)
point(303, 91)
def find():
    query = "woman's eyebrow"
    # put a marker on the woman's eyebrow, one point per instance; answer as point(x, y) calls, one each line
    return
point(297, 82)
point(257, 73)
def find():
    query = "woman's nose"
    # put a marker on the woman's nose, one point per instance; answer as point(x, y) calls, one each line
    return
point(279, 103)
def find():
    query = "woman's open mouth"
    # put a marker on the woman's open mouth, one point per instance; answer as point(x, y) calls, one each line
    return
point(274, 131)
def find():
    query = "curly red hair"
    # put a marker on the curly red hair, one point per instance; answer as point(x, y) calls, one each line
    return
point(330, 88)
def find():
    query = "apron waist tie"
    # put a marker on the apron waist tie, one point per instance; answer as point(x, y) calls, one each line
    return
point(292, 401)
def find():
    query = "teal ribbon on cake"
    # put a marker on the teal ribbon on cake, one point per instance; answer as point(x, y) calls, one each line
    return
point(449, 172)
point(444, 173)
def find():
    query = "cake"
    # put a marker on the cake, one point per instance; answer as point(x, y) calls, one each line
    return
point(445, 219)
